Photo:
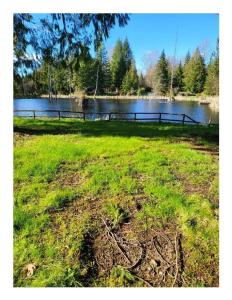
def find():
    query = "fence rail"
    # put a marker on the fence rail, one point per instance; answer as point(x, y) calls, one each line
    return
point(109, 116)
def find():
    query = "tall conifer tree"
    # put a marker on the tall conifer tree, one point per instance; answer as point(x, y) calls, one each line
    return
point(130, 80)
point(195, 73)
point(127, 55)
point(178, 80)
point(117, 66)
point(161, 78)
point(212, 79)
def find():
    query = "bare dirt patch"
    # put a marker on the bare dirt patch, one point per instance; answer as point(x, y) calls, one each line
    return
point(153, 257)
point(20, 138)
point(208, 150)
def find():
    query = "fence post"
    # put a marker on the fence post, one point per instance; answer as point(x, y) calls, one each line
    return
point(84, 116)
point(160, 117)
point(59, 114)
point(34, 114)
point(135, 117)
point(109, 116)
point(183, 119)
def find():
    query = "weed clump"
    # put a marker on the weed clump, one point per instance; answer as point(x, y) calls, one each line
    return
point(120, 277)
point(115, 213)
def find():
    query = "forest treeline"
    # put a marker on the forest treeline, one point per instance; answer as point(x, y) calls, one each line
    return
point(52, 73)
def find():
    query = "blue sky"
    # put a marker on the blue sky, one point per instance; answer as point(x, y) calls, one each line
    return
point(155, 32)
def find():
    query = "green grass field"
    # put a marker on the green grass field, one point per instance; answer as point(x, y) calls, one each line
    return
point(115, 204)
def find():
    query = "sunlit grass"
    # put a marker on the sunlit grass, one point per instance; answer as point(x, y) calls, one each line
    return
point(113, 161)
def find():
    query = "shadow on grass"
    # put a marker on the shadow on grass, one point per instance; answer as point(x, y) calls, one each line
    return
point(116, 128)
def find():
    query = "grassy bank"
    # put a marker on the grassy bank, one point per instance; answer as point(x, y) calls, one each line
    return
point(115, 204)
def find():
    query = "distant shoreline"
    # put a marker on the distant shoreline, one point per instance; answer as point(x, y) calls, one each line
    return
point(212, 101)
point(125, 97)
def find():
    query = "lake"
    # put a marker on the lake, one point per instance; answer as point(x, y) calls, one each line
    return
point(200, 113)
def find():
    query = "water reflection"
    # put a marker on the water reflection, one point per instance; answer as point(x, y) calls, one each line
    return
point(201, 113)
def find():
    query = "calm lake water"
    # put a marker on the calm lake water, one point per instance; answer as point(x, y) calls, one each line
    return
point(198, 112)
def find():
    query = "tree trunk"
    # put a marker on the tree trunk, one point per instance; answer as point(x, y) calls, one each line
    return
point(49, 83)
point(69, 83)
point(95, 92)
point(172, 73)
point(23, 87)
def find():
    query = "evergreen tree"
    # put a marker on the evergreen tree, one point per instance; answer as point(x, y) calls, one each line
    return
point(142, 87)
point(195, 73)
point(18, 89)
point(106, 70)
point(85, 77)
point(161, 78)
point(59, 34)
point(187, 58)
point(127, 56)
point(178, 79)
point(61, 80)
point(130, 80)
point(141, 81)
point(122, 59)
point(42, 79)
point(102, 67)
point(117, 66)
point(212, 79)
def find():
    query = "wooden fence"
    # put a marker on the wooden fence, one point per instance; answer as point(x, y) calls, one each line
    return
point(109, 116)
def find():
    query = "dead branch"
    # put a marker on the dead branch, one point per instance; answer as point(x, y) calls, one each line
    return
point(164, 236)
point(112, 235)
point(128, 242)
point(165, 271)
point(177, 265)
point(159, 253)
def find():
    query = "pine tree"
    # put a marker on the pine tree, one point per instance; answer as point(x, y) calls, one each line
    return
point(195, 73)
point(127, 55)
point(212, 79)
point(178, 80)
point(187, 58)
point(130, 80)
point(121, 62)
point(142, 86)
point(60, 34)
point(117, 66)
point(84, 78)
point(103, 75)
point(161, 78)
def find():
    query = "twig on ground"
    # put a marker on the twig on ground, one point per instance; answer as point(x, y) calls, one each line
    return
point(164, 236)
point(160, 255)
point(112, 235)
point(128, 242)
point(163, 279)
point(177, 265)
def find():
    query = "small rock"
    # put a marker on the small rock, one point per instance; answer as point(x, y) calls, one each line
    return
point(153, 263)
